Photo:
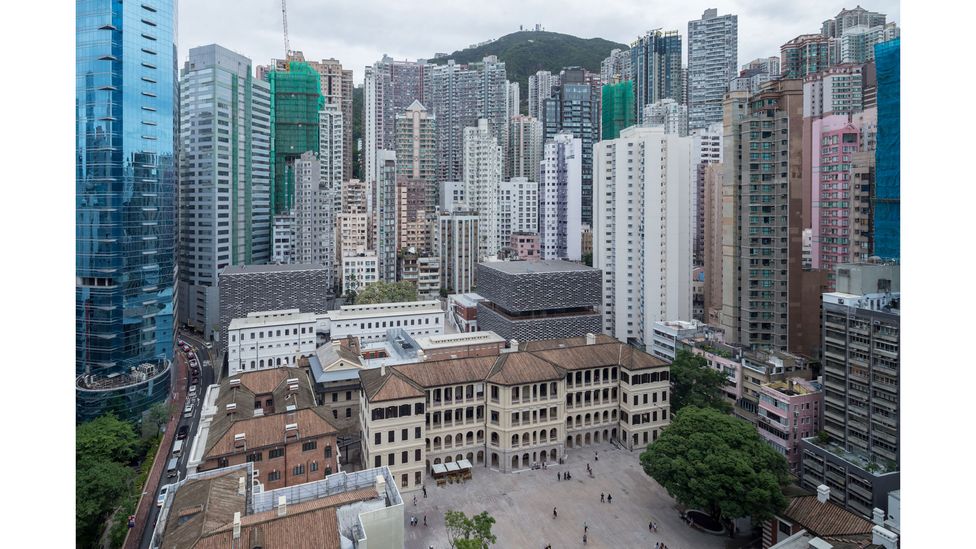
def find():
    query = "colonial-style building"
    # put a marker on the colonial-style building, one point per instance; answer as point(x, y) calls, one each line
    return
point(523, 406)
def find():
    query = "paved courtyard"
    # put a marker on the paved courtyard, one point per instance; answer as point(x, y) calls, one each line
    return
point(522, 503)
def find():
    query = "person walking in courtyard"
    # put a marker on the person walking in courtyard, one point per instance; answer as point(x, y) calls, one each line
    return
point(558, 476)
point(602, 499)
point(585, 527)
point(553, 512)
point(650, 526)
point(584, 539)
point(609, 498)
point(425, 521)
point(425, 490)
point(415, 501)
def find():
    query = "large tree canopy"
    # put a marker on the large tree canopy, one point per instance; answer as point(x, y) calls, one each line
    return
point(385, 292)
point(718, 463)
point(695, 384)
point(105, 438)
point(469, 533)
point(104, 447)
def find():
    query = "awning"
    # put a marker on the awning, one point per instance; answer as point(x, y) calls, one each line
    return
point(438, 468)
point(464, 464)
point(452, 467)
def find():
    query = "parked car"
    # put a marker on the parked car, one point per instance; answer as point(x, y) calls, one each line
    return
point(184, 430)
point(210, 345)
point(162, 496)
point(193, 390)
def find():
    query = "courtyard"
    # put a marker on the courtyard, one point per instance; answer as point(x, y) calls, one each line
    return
point(522, 503)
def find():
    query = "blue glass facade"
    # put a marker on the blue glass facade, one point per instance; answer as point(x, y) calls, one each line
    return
point(125, 183)
point(655, 69)
point(887, 190)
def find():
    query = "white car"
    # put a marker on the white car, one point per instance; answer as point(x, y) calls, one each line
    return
point(162, 496)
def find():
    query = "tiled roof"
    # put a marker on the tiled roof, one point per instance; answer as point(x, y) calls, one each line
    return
point(268, 430)
point(200, 507)
point(519, 368)
point(826, 519)
point(543, 344)
point(272, 381)
point(391, 386)
point(585, 356)
point(308, 525)
point(448, 372)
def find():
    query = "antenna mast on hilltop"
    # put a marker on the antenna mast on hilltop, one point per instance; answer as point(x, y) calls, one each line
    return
point(284, 23)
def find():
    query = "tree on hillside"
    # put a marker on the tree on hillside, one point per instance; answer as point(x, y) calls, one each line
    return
point(693, 383)
point(718, 463)
point(469, 533)
point(386, 292)
point(105, 438)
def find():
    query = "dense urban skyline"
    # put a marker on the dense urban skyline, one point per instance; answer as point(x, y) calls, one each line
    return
point(359, 33)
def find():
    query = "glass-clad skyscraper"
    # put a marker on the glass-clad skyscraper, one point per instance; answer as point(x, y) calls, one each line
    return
point(125, 187)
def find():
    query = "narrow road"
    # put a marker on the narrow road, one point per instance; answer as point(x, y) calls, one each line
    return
point(158, 479)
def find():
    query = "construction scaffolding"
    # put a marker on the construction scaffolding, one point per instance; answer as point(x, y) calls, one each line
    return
point(618, 109)
point(295, 106)
point(886, 198)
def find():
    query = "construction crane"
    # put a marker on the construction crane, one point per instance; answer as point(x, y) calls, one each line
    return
point(284, 23)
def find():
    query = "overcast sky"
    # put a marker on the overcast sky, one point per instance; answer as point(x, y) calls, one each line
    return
point(359, 32)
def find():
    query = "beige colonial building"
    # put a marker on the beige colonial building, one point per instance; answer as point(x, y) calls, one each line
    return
point(512, 410)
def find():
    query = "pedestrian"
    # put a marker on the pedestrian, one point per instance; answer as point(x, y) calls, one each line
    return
point(655, 527)
point(415, 501)
point(585, 527)
point(553, 512)
point(609, 498)
point(425, 490)
point(584, 539)
point(558, 475)
point(425, 521)
point(602, 499)
point(657, 545)
point(650, 526)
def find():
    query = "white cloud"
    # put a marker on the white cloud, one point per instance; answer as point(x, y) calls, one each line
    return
point(358, 32)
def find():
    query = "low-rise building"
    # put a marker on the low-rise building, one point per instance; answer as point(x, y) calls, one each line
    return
point(789, 411)
point(525, 246)
point(761, 367)
point(810, 516)
point(460, 345)
point(532, 300)
point(722, 358)
point(359, 270)
point(269, 339)
point(668, 334)
point(370, 322)
point(462, 311)
point(510, 411)
point(269, 418)
point(225, 508)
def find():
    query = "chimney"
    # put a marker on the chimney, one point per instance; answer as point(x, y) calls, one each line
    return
point(237, 525)
point(282, 506)
point(241, 486)
point(514, 345)
point(884, 537)
point(382, 369)
point(380, 485)
point(823, 493)
point(591, 339)
point(878, 516)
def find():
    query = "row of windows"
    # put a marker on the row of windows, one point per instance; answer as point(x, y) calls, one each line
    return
point(391, 458)
point(391, 436)
point(276, 333)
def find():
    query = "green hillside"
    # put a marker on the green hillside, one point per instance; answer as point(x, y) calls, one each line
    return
point(526, 52)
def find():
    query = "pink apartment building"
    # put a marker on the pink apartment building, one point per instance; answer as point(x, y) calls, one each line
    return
point(723, 358)
point(525, 245)
point(836, 140)
point(789, 411)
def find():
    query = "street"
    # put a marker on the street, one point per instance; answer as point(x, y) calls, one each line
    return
point(204, 356)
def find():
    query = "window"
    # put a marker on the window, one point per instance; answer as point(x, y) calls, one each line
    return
point(298, 470)
point(390, 459)
point(328, 451)
point(314, 466)
point(377, 462)
point(273, 476)
point(404, 457)
point(404, 434)
point(377, 438)
point(335, 397)
point(309, 446)
point(221, 462)
point(335, 414)
point(416, 432)
point(276, 453)
point(389, 436)
point(416, 454)
point(348, 395)
point(418, 408)
point(255, 456)
point(348, 412)
point(328, 470)
point(404, 480)
point(416, 477)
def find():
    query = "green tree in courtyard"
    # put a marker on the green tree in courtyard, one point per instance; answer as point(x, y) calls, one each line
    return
point(104, 449)
point(386, 292)
point(693, 383)
point(717, 463)
point(469, 533)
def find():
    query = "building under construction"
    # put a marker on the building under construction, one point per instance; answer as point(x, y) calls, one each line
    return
point(295, 106)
